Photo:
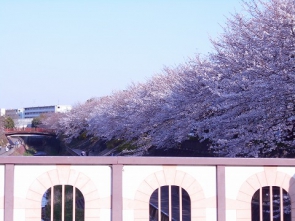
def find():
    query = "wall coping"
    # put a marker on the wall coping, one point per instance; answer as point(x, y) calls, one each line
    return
point(91, 160)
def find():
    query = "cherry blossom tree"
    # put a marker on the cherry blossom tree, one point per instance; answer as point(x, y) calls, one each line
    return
point(254, 60)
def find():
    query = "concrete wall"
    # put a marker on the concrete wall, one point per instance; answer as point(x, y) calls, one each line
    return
point(32, 181)
point(219, 189)
point(139, 182)
point(1, 192)
point(243, 182)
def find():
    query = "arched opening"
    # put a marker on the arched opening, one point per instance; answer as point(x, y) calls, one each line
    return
point(63, 203)
point(169, 203)
point(271, 203)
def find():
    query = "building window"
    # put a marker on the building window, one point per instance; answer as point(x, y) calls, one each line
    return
point(62, 203)
point(271, 203)
point(173, 202)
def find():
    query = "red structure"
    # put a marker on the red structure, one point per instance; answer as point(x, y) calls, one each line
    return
point(29, 130)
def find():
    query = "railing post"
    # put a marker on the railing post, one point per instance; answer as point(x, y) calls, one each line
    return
point(220, 179)
point(8, 192)
point(117, 196)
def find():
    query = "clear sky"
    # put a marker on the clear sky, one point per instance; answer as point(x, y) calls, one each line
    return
point(67, 51)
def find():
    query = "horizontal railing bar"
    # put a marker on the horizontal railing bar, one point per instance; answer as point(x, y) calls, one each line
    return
point(91, 160)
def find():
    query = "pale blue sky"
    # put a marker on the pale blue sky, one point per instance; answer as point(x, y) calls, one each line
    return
point(67, 51)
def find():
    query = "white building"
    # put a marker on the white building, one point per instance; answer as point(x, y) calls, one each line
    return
point(2, 111)
point(32, 112)
point(23, 116)
point(14, 113)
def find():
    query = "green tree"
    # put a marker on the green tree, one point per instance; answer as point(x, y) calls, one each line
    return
point(3, 139)
point(36, 122)
point(9, 123)
point(2, 122)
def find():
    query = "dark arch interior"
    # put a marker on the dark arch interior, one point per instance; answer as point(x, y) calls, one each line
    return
point(178, 198)
point(262, 203)
point(71, 194)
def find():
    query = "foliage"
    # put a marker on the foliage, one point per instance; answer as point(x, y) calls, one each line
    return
point(126, 146)
point(30, 151)
point(113, 143)
point(3, 139)
point(9, 123)
point(120, 145)
point(83, 135)
point(240, 97)
point(36, 122)
point(2, 121)
point(254, 62)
